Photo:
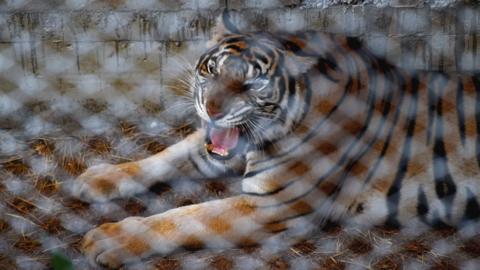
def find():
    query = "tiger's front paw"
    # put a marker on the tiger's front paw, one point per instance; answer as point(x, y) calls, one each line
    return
point(112, 245)
point(104, 182)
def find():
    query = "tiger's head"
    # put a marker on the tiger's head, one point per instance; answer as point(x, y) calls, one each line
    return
point(245, 90)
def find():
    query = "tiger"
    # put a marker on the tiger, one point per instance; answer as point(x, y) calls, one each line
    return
point(318, 128)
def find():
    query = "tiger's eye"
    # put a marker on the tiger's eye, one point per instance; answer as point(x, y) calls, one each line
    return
point(211, 66)
point(257, 84)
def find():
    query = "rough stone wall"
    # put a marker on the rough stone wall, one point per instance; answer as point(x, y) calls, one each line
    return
point(92, 34)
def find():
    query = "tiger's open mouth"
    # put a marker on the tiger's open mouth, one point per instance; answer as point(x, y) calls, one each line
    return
point(223, 143)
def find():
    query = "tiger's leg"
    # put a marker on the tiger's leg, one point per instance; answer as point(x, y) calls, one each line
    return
point(105, 181)
point(235, 221)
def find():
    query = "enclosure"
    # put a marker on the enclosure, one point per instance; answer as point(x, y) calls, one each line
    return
point(86, 81)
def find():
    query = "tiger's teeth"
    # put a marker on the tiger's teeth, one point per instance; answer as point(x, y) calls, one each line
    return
point(220, 151)
point(209, 147)
point(217, 150)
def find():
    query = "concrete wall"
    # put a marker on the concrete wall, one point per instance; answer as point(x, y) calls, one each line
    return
point(85, 46)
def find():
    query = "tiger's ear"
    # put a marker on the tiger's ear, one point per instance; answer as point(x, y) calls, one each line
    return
point(297, 65)
point(223, 27)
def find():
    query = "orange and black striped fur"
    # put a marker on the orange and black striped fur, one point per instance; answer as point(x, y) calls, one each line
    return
point(320, 128)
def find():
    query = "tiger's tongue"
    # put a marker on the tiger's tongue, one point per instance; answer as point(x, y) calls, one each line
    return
point(223, 140)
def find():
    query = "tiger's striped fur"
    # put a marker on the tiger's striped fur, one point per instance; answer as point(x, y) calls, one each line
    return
point(328, 131)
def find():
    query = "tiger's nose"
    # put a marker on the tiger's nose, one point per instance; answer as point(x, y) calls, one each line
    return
point(214, 109)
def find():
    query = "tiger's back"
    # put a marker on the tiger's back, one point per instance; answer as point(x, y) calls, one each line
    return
point(382, 144)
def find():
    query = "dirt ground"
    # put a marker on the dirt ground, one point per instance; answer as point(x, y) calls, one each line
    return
point(38, 217)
